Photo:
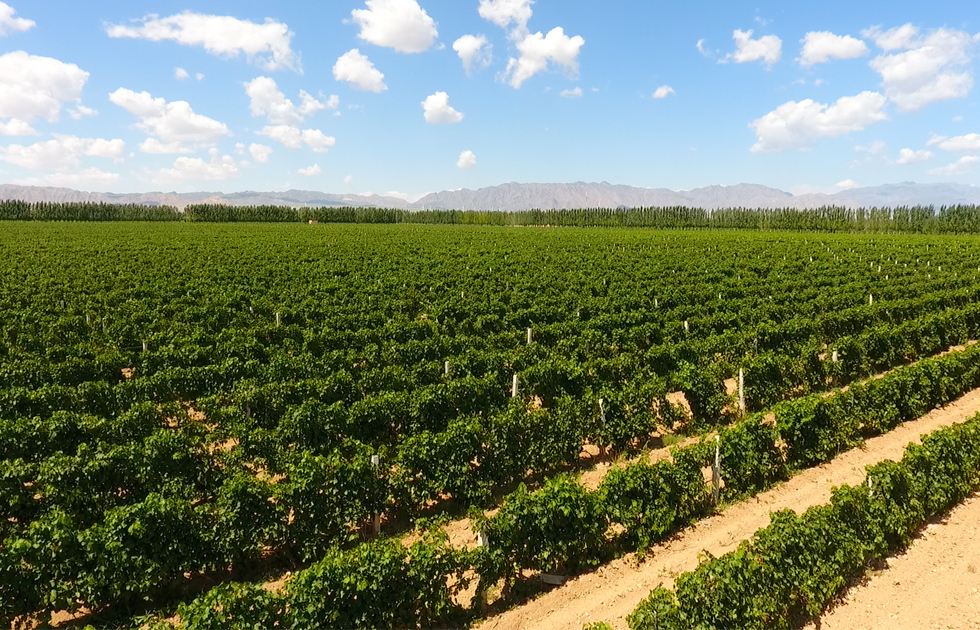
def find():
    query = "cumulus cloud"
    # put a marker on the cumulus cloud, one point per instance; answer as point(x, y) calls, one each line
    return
point(969, 142)
point(908, 156)
point(62, 152)
point(357, 70)
point(80, 111)
point(959, 167)
point(438, 111)
point(797, 125)
point(152, 145)
point(503, 13)
point(892, 39)
point(822, 46)
point(10, 24)
point(260, 153)
point(663, 91)
point(185, 168)
point(266, 100)
point(169, 122)
point(294, 138)
point(311, 171)
point(34, 87)
point(17, 128)
point(399, 24)
point(576, 93)
point(87, 179)
point(768, 49)
point(475, 51)
point(180, 74)
point(929, 69)
point(467, 159)
point(348, 180)
point(847, 183)
point(267, 45)
point(538, 50)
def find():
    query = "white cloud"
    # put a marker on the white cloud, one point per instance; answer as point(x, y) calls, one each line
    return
point(663, 91)
point(17, 128)
point(908, 156)
point(438, 111)
point(311, 171)
point(36, 87)
point(80, 111)
point(399, 24)
point(61, 153)
point(169, 122)
point(701, 49)
point(294, 138)
point(260, 152)
point(538, 50)
point(847, 183)
point(10, 24)
point(467, 159)
point(503, 13)
point(152, 145)
point(797, 125)
point(873, 148)
point(267, 100)
point(356, 69)
point(348, 180)
point(822, 46)
point(474, 50)
point(267, 45)
point(87, 179)
point(959, 167)
point(316, 140)
point(185, 168)
point(892, 39)
point(576, 93)
point(180, 74)
point(930, 69)
point(768, 48)
point(969, 142)
point(199, 76)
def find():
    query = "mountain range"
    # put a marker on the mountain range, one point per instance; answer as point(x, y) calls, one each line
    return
point(515, 197)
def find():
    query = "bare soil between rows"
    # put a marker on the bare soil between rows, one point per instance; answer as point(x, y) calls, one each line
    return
point(611, 592)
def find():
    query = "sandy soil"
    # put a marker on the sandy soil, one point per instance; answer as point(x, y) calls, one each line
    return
point(934, 584)
point(611, 592)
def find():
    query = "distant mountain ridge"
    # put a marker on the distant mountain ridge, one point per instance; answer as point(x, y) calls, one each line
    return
point(515, 197)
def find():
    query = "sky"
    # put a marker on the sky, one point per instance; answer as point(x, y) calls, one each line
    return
point(415, 96)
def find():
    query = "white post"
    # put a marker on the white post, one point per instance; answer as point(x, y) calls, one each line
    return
point(687, 327)
point(144, 346)
point(88, 318)
point(602, 418)
point(375, 463)
point(278, 320)
point(481, 539)
point(835, 357)
point(741, 390)
point(656, 303)
point(529, 335)
point(871, 300)
point(716, 473)
point(447, 368)
point(513, 387)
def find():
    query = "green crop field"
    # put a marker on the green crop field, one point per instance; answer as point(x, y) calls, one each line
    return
point(188, 409)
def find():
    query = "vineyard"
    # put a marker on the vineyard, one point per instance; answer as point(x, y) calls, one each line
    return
point(210, 424)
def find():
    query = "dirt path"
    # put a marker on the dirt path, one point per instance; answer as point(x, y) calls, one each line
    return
point(935, 584)
point(612, 592)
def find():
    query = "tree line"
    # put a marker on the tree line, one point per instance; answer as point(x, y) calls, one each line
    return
point(954, 219)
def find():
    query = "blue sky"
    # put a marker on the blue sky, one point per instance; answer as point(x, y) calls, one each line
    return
point(246, 95)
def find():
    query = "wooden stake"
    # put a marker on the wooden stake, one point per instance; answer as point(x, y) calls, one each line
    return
point(447, 368)
point(278, 320)
point(716, 473)
point(375, 463)
point(529, 336)
point(741, 390)
point(513, 388)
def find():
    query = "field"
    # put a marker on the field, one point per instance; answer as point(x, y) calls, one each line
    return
point(206, 424)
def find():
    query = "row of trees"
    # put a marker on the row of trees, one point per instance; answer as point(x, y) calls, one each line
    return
point(957, 219)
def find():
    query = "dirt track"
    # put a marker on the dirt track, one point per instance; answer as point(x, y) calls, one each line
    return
point(934, 584)
point(611, 592)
